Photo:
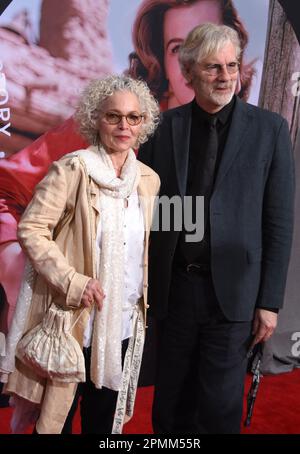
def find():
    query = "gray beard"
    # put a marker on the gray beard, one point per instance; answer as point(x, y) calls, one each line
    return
point(222, 99)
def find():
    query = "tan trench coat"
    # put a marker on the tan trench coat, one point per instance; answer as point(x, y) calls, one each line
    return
point(58, 232)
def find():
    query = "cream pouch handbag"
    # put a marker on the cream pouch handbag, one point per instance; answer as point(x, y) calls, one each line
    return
point(51, 350)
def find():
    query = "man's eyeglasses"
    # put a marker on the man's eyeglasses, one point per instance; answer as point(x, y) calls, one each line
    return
point(132, 119)
point(215, 69)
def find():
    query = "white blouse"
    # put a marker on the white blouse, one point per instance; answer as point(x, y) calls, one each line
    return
point(134, 231)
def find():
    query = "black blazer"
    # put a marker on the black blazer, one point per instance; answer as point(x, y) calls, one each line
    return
point(251, 209)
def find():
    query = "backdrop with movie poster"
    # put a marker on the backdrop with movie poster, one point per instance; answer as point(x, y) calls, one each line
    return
point(50, 49)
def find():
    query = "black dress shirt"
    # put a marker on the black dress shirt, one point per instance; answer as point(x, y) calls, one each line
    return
point(200, 251)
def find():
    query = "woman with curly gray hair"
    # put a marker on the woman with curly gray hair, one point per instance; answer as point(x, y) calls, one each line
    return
point(86, 234)
point(91, 106)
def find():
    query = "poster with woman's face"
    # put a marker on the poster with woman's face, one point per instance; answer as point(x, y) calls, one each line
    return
point(49, 50)
point(176, 24)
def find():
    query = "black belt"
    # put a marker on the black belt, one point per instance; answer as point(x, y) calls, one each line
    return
point(200, 268)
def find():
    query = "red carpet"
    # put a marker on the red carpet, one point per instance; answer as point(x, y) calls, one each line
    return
point(276, 409)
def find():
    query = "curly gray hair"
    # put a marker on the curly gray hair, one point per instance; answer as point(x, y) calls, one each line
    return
point(97, 91)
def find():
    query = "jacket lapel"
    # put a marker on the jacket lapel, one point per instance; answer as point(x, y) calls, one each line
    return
point(241, 120)
point(145, 192)
point(147, 197)
point(181, 130)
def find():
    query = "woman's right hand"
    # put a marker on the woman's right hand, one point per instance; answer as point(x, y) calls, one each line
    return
point(93, 293)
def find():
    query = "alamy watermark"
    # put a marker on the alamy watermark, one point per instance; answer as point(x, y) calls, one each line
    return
point(180, 213)
point(295, 350)
point(173, 214)
point(296, 85)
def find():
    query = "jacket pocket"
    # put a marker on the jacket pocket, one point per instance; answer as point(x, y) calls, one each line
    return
point(247, 164)
point(254, 255)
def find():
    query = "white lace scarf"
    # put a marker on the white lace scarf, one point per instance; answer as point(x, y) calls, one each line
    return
point(106, 360)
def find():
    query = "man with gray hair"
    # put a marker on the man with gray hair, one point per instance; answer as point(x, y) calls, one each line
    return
point(216, 298)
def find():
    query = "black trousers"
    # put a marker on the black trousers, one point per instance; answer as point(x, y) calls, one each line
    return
point(97, 406)
point(202, 362)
